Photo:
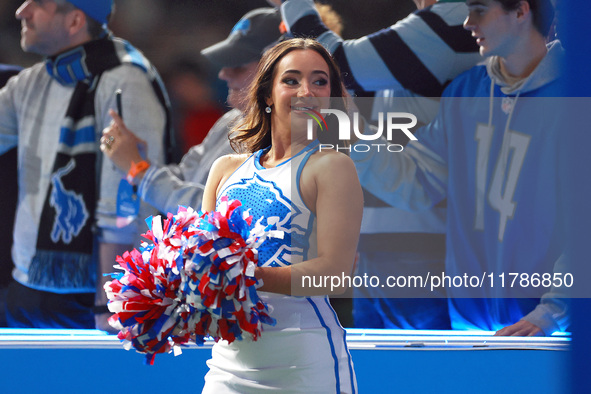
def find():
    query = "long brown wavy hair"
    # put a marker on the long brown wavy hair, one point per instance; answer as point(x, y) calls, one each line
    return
point(254, 131)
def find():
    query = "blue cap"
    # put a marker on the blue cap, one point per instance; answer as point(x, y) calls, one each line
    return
point(253, 33)
point(98, 10)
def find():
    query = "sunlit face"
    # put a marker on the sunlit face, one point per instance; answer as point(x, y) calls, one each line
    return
point(43, 28)
point(238, 80)
point(304, 76)
point(492, 26)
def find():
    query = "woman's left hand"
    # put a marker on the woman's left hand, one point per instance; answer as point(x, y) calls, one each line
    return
point(121, 145)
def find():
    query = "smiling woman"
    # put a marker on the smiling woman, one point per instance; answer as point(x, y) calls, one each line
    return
point(315, 199)
point(254, 132)
point(301, 85)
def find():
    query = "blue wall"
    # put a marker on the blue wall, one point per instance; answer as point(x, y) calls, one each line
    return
point(93, 370)
point(575, 32)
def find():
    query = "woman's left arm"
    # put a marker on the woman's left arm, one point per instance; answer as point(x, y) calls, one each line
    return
point(330, 185)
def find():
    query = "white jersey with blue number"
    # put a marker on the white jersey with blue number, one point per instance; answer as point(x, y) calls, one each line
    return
point(306, 351)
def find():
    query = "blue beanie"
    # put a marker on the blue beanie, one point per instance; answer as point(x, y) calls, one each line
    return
point(98, 10)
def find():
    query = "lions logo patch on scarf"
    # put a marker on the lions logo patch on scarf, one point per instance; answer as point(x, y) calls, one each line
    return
point(65, 252)
point(70, 209)
point(65, 241)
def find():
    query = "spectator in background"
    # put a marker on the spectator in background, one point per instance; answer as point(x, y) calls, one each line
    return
point(167, 187)
point(492, 152)
point(194, 107)
point(8, 194)
point(53, 112)
point(421, 53)
point(238, 55)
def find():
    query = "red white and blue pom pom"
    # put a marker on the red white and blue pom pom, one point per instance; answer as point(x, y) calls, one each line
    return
point(196, 279)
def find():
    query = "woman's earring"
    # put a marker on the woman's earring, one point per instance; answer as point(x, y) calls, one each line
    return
point(268, 109)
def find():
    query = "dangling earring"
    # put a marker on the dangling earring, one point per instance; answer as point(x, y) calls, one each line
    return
point(268, 109)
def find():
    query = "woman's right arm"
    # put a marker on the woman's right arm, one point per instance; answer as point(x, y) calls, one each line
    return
point(220, 171)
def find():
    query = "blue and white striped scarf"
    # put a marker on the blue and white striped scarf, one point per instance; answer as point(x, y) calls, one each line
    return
point(65, 257)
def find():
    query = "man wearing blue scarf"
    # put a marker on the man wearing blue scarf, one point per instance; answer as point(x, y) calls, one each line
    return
point(66, 233)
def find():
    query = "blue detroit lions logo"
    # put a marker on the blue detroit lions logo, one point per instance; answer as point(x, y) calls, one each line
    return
point(264, 199)
point(70, 210)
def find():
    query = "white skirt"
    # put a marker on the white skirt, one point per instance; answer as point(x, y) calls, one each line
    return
point(306, 352)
